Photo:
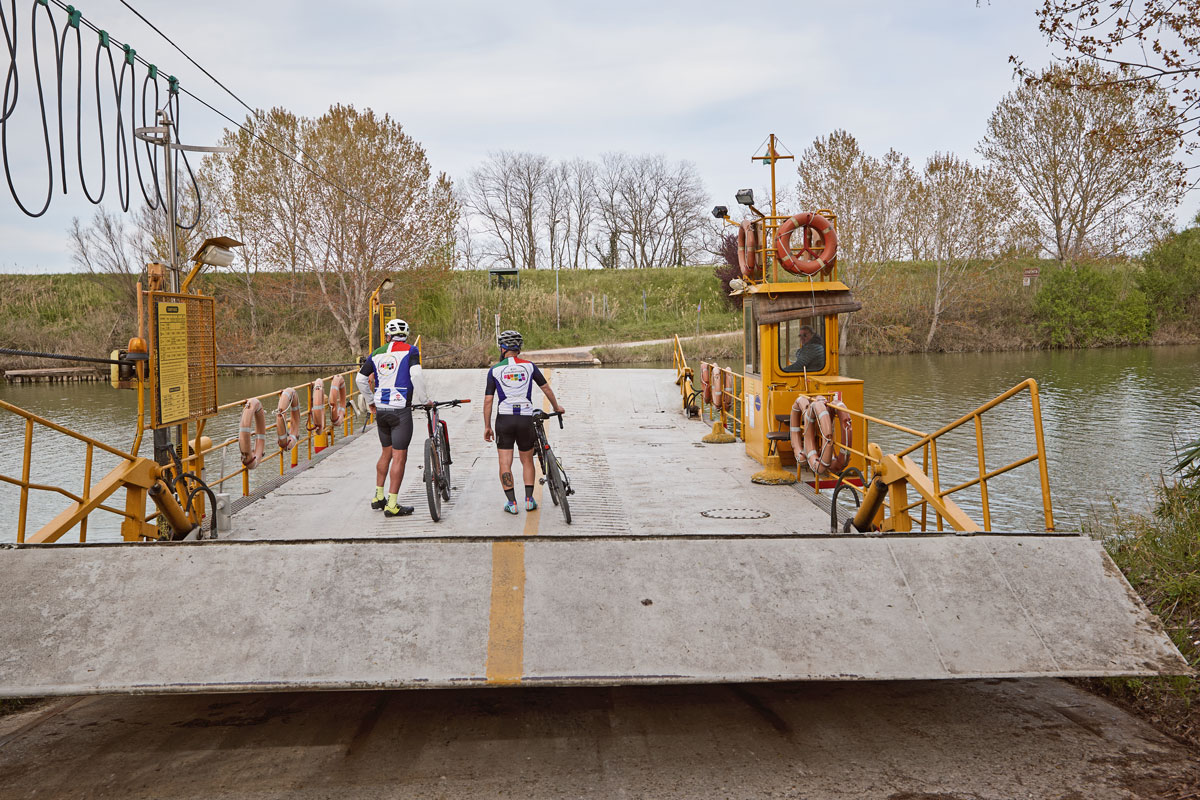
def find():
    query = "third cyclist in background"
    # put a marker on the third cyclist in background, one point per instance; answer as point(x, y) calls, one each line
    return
point(513, 379)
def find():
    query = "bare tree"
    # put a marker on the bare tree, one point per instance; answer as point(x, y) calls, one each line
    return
point(581, 210)
point(867, 194)
point(507, 194)
point(555, 204)
point(110, 245)
point(1089, 194)
point(961, 214)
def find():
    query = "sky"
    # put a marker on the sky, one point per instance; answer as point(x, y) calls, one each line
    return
point(699, 81)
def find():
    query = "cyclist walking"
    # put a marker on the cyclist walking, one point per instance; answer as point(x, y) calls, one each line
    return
point(513, 379)
point(396, 368)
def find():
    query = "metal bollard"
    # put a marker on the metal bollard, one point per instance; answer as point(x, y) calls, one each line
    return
point(223, 515)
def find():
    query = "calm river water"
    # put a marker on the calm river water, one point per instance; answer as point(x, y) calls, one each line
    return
point(1113, 420)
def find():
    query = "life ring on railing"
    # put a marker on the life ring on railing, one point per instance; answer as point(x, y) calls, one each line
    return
point(289, 404)
point(814, 263)
point(716, 379)
point(706, 381)
point(337, 400)
point(811, 429)
point(747, 249)
point(252, 433)
point(316, 414)
point(846, 423)
point(727, 398)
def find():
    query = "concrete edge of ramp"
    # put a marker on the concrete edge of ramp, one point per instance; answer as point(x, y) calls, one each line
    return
point(252, 616)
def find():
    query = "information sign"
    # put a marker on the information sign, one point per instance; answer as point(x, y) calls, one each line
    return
point(172, 338)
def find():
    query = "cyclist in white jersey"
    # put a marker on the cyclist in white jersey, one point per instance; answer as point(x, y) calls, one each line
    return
point(396, 370)
point(512, 379)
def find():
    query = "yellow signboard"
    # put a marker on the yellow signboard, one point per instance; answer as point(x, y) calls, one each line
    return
point(172, 337)
point(183, 358)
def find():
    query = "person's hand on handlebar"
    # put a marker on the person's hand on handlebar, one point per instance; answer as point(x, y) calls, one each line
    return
point(559, 409)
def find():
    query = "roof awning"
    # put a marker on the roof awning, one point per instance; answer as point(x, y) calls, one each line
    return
point(769, 310)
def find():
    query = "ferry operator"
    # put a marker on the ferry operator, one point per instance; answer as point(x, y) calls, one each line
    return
point(396, 368)
point(811, 355)
point(513, 379)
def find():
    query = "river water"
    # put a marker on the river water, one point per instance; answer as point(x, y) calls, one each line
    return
point(1113, 420)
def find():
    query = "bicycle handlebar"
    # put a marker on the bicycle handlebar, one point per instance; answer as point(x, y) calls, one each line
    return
point(542, 415)
point(440, 403)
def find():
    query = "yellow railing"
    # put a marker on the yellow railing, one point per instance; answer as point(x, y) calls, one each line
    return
point(308, 441)
point(927, 444)
point(132, 469)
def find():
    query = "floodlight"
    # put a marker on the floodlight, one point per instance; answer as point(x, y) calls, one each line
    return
point(720, 212)
point(745, 197)
point(216, 252)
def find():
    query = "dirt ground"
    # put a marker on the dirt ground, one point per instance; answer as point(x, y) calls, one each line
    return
point(943, 740)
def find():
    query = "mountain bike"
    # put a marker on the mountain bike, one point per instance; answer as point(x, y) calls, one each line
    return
point(437, 457)
point(555, 477)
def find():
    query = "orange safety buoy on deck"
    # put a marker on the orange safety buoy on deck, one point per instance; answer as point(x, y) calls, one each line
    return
point(337, 400)
point(727, 399)
point(289, 404)
point(814, 263)
point(747, 249)
point(846, 424)
point(316, 414)
point(252, 433)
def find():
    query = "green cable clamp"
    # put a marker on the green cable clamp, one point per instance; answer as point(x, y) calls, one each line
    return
point(129, 54)
point(104, 39)
point(74, 16)
point(152, 71)
point(173, 86)
point(45, 3)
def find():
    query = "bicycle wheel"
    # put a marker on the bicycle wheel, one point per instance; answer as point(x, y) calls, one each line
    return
point(558, 491)
point(444, 460)
point(431, 481)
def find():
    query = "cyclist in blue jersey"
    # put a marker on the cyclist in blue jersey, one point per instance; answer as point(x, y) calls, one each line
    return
point(512, 379)
point(396, 369)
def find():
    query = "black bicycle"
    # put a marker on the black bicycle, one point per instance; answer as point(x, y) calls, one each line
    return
point(554, 476)
point(437, 457)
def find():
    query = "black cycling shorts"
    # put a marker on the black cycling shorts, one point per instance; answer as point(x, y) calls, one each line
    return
point(512, 428)
point(395, 427)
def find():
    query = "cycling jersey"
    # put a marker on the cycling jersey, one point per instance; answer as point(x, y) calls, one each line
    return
point(391, 365)
point(513, 380)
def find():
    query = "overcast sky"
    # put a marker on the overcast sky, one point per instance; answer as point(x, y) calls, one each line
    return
point(701, 81)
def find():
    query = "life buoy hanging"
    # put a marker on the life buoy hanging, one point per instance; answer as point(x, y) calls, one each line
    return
point(337, 400)
point(814, 263)
point(715, 381)
point(727, 399)
point(316, 414)
point(252, 433)
point(845, 424)
point(747, 249)
point(811, 429)
point(289, 405)
point(706, 382)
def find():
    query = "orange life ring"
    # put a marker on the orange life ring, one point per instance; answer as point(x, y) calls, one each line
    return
point(337, 400)
point(316, 414)
point(747, 248)
point(814, 263)
point(812, 433)
point(252, 433)
point(796, 427)
point(715, 381)
point(286, 437)
point(706, 381)
point(844, 421)
point(727, 399)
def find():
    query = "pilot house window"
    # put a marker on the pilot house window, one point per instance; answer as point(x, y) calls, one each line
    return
point(802, 345)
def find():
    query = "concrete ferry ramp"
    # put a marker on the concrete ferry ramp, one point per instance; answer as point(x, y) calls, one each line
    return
point(642, 589)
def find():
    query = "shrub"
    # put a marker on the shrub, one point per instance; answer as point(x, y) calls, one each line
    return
point(1088, 306)
point(1170, 275)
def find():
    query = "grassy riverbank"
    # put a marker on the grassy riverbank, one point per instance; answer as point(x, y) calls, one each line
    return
point(282, 318)
point(1160, 555)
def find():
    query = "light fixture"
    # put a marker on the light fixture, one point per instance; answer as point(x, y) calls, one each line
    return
point(720, 212)
point(745, 197)
point(216, 252)
point(387, 284)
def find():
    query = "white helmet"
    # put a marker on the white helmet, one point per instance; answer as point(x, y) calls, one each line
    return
point(396, 329)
